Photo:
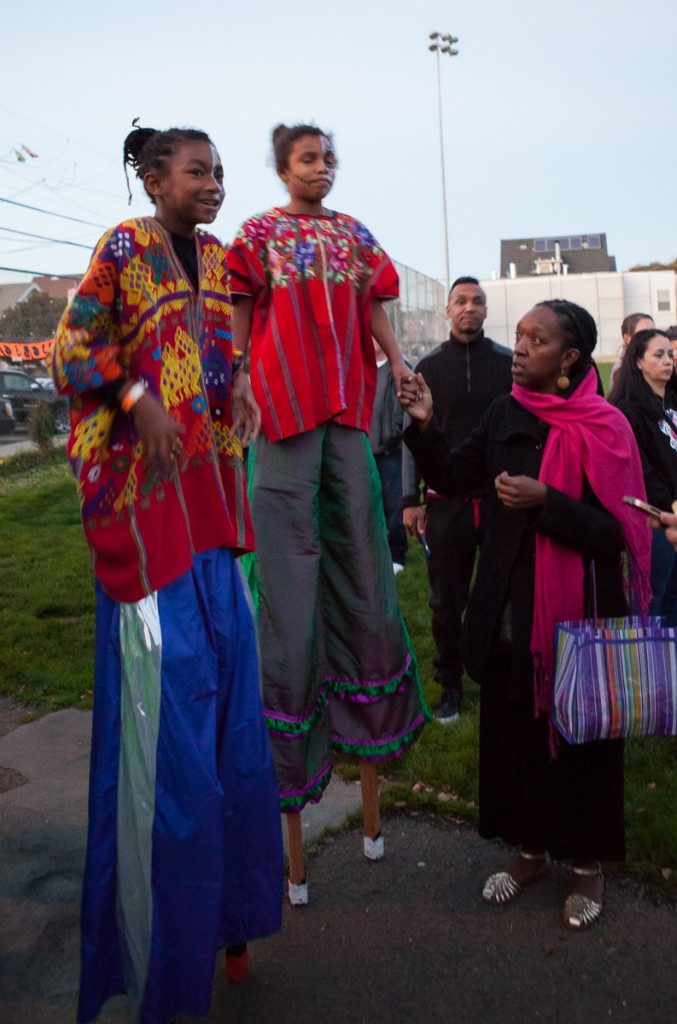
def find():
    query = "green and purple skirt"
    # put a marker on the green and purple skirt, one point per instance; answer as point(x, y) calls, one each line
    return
point(337, 665)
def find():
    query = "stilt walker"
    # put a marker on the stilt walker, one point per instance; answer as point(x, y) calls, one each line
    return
point(308, 286)
point(184, 850)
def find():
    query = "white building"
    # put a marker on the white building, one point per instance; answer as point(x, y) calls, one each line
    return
point(610, 297)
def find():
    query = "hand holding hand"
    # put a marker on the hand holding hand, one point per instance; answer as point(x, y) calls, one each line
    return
point(415, 398)
point(400, 372)
point(520, 491)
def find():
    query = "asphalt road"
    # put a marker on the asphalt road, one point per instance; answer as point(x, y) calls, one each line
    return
point(402, 940)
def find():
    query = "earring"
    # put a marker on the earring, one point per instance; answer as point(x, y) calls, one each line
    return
point(563, 381)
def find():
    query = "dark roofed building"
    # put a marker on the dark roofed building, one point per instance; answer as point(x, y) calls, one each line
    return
point(565, 254)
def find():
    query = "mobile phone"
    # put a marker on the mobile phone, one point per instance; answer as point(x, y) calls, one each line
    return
point(649, 510)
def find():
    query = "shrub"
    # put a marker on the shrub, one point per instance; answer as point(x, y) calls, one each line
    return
point(41, 426)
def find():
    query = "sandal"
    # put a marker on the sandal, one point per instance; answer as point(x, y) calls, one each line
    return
point(580, 910)
point(503, 887)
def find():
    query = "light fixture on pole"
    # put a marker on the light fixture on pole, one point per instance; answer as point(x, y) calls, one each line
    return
point(443, 43)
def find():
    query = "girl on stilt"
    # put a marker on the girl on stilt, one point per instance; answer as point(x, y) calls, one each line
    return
point(308, 286)
point(184, 850)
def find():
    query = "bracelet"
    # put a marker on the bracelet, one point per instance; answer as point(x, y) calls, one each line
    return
point(136, 392)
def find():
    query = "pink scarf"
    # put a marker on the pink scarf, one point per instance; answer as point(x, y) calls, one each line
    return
point(588, 439)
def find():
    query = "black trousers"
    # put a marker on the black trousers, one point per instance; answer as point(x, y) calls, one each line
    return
point(453, 539)
point(570, 805)
point(389, 467)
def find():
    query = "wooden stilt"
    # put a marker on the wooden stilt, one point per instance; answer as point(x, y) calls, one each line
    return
point(371, 811)
point(298, 888)
point(297, 872)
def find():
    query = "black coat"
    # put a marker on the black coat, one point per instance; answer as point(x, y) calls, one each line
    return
point(511, 438)
point(659, 457)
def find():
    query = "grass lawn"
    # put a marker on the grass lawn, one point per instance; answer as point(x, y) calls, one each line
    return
point(46, 598)
point(47, 646)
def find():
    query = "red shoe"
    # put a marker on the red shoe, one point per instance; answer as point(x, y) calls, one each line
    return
point(237, 963)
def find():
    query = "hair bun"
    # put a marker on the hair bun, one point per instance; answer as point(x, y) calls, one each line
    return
point(148, 149)
point(135, 142)
point(283, 138)
point(278, 131)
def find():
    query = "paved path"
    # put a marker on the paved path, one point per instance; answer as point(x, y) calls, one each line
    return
point(403, 940)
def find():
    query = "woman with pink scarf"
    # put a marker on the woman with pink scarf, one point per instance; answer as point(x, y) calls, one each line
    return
point(560, 459)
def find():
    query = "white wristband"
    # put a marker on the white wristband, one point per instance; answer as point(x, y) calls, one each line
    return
point(136, 392)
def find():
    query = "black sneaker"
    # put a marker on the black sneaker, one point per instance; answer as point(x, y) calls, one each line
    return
point(449, 707)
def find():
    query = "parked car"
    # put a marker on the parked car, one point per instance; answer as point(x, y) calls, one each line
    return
point(23, 393)
point(7, 421)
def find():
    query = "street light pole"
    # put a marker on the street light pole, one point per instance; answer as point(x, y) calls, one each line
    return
point(443, 44)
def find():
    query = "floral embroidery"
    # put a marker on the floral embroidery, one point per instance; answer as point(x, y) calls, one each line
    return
point(313, 279)
point(338, 248)
point(303, 256)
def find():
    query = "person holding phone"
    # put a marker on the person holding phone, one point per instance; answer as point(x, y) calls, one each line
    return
point(667, 521)
point(645, 391)
point(559, 460)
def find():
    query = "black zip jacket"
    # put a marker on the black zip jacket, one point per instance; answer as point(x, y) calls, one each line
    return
point(464, 379)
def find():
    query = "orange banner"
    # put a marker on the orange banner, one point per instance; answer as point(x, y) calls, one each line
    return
point(28, 351)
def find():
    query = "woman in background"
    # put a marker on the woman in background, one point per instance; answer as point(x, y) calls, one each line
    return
point(632, 323)
point(645, 391)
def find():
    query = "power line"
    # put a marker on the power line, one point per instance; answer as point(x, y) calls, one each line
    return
point(49, 213)
point(47, 128)
point(45, 238)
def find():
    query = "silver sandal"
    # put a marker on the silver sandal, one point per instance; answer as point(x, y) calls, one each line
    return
point(503, 888)
point(581, 911)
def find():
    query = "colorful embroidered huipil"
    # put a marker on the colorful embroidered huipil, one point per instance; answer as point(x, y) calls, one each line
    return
point(313, 280)
point(136, 315)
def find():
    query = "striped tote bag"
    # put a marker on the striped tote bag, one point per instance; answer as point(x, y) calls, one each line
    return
point(615, 677)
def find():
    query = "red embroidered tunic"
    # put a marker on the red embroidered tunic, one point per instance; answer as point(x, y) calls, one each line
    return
point(313, 280)
point(136, 315)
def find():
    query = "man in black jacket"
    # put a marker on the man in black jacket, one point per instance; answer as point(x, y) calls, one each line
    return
point(465, 374)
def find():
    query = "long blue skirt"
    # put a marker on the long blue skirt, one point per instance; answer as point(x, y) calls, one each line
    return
point(184, 853)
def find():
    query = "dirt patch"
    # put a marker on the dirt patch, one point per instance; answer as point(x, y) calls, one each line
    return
point(13, 714)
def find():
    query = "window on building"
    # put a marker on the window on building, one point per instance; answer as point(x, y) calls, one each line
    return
point(663, 303)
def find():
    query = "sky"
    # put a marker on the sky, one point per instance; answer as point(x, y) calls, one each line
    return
point(558, 119)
